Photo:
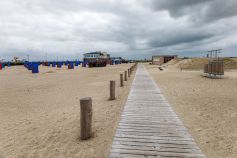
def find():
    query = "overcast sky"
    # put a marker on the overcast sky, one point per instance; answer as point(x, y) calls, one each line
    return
point(128, 28)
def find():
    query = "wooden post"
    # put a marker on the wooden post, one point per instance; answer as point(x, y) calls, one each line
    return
point(129, 72)
point(121, 80)
point(86, 117)
point(125, 76)
point(112, 90)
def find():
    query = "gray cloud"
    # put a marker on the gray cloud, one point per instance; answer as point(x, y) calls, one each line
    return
point(220, 9)
point(198, 10)
point(178, 37)
point(128, 27)
point(177, 8)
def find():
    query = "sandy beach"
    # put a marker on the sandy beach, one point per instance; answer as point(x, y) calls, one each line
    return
point(207, 107)
point(40, 113)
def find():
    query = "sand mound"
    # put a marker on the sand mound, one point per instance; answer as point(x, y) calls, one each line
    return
point(230, 63)
point(173, 62)
point(198, 63)
point(195, 63)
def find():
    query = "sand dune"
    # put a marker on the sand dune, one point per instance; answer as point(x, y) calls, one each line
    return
point(198, 63)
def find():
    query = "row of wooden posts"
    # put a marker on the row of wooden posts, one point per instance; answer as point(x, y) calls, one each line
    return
point(86, 105)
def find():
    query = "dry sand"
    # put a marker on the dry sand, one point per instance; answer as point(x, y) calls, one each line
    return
point(40, 113)
point(198, 63)
point(207, 107)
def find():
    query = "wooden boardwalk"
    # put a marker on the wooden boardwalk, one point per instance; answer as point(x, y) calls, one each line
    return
point(149, 127)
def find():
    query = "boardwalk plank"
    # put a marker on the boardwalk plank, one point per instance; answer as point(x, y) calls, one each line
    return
point(149, 127)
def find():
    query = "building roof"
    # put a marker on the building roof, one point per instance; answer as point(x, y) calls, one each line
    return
point(164, 55)
point(94, 53)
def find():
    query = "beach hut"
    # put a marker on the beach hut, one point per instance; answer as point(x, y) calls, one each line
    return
point(46, 64)
point(76, 63)
point(53, 64)
point(35, 67)
point(26, 64)
point(59, 64)
point(70, 65)
point(29, 66)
